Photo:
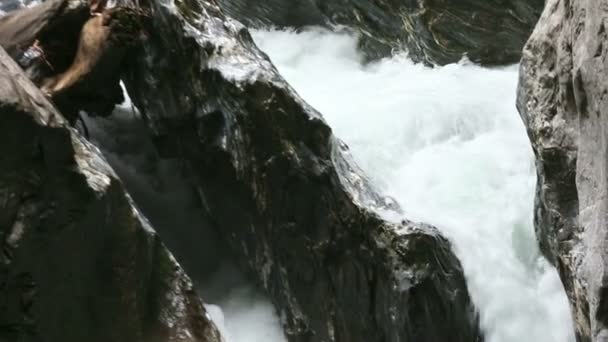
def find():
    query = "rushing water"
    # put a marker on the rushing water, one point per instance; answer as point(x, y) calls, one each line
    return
point(448, 144)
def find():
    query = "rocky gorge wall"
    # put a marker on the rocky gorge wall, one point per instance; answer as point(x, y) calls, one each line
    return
point(279, 187)
point(490, 32)
point(562, 100)
point(273, 181)
point(78, 261)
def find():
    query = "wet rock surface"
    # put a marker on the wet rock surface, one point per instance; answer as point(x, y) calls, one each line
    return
point(278, 13)
point(562, 100)
point(436, 32)
point(78, 262)
point(276, 184)
point(163, 190)
point(270, 178)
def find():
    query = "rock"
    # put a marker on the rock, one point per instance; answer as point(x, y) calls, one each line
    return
point(279, 187)
point(278, 13)
point(163, 191)
point(78, 262)
point(489, 32)
point(562, 100)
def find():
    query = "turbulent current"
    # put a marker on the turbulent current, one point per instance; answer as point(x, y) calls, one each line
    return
point(448, 145)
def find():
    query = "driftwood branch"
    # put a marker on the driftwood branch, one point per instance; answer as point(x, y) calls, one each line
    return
point(74, 51)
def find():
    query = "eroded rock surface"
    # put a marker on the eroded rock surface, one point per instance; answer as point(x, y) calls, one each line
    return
point(432, 31)
point(78, 262)
point(562, 100)
point(277, 13)
point(279, 187)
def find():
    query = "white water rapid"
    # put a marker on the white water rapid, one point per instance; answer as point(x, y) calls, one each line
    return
point(448, 144)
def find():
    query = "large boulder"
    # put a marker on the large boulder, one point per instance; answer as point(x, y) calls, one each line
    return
point(280, 188)
point(562, 100)
point(78, 262)
point(434, 32)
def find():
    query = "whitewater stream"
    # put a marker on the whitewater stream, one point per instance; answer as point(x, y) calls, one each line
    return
point(448, 145)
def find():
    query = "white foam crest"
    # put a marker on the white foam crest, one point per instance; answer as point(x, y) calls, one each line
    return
point(246, 317)
point(242, 314)
point(448, 144)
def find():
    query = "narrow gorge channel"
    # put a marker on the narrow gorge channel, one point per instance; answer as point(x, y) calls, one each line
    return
point(448, 145)
point(445, 142)
point(303, 171)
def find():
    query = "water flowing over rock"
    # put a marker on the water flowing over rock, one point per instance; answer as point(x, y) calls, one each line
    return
point(562, 100)
point(280, 188)
point(437, 32)
point(78, 262)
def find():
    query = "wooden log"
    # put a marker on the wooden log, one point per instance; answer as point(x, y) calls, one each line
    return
point(73, 52)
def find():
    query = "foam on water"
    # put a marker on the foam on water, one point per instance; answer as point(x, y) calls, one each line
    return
point(448, 144)
point(246, 316)
point(240, 312)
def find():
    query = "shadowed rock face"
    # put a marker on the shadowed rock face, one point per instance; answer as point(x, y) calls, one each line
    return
point(11, 5)
point(77, 261)
point(280, 188)
point(432, 31)
point(562, 100)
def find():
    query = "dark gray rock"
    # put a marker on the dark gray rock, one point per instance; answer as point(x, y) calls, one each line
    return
point(277, 13)
point(562, 100)
point(77, 260)
point(435, 32)
point(277, 185)
point(162, 189)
